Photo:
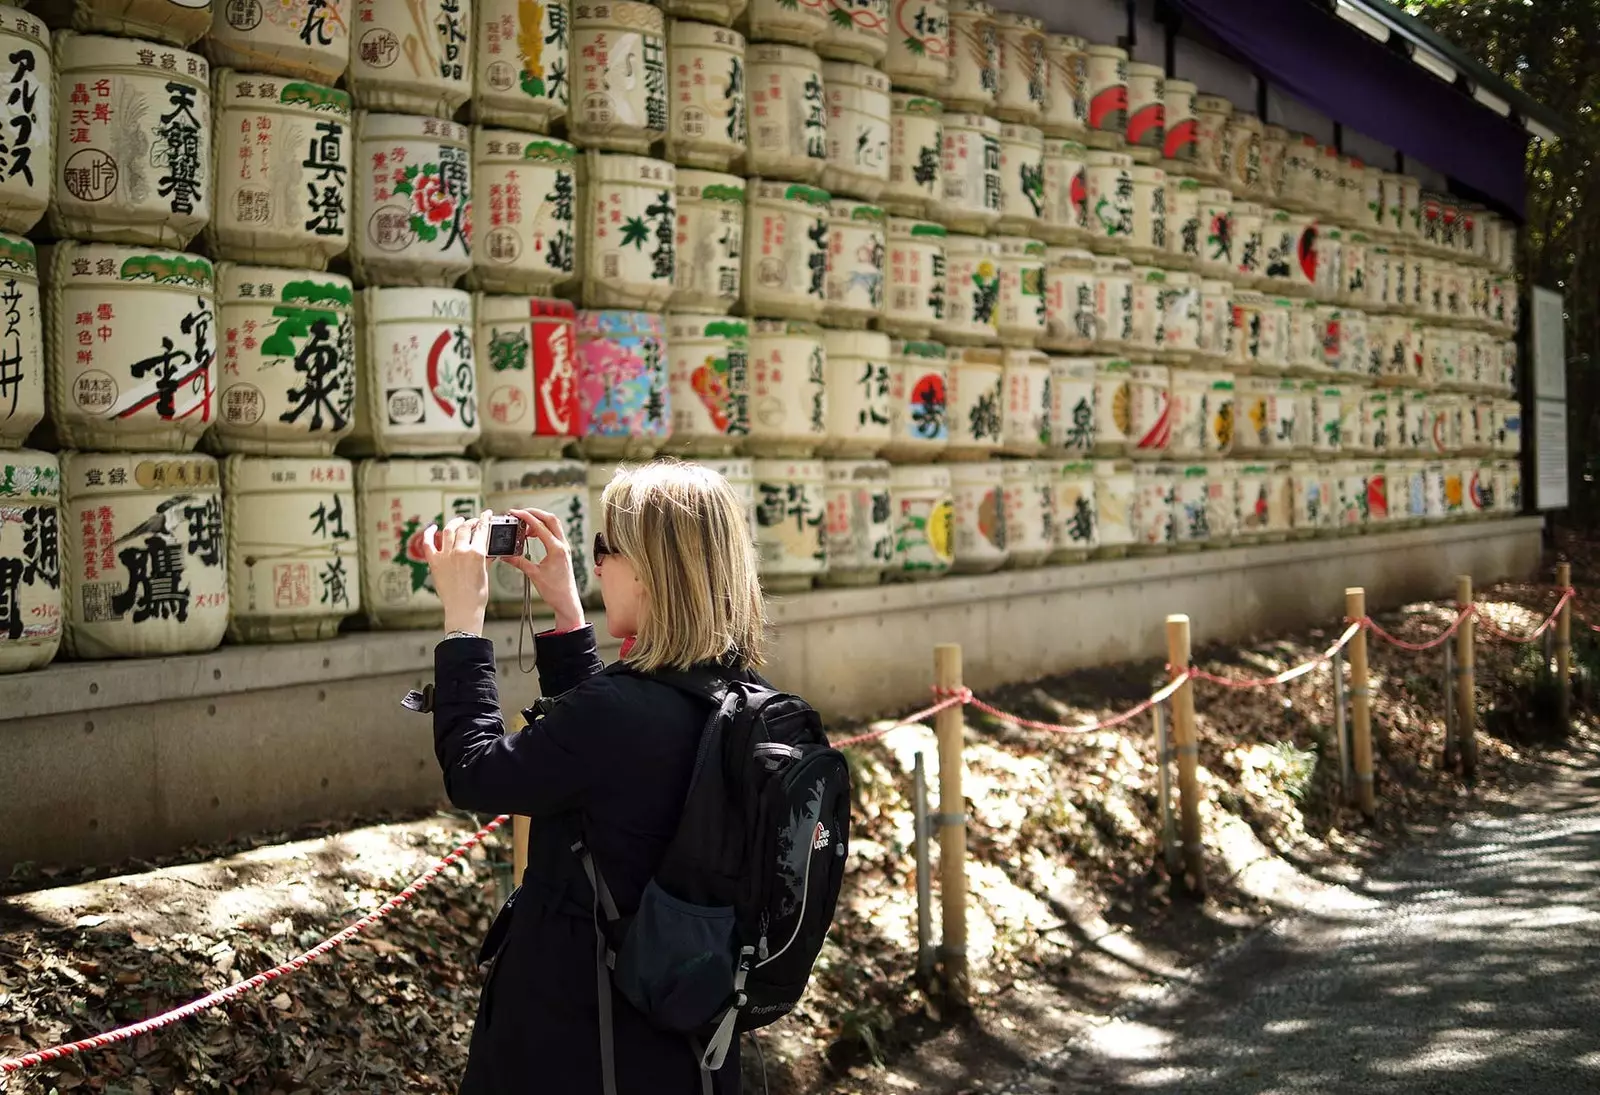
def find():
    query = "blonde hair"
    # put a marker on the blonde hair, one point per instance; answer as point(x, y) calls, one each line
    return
point(688, 537)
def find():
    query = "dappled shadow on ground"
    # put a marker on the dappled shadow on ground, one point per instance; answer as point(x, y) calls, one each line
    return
point(1462, 967)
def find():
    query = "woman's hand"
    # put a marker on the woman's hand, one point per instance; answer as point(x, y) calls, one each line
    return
point(551, 576)
point(459, 563)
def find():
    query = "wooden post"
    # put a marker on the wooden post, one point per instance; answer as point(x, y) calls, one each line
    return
point(1355, 608)
point(1466, 685)
point(1564, 648)
point(950, 726)
point(1188, 750)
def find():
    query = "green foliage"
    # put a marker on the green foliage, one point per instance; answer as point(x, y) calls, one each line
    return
point(1548, 50)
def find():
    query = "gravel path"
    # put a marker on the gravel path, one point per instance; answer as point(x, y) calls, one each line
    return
point(1470, 965)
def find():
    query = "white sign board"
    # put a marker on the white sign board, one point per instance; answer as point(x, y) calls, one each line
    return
point(1549, 345)
point(1550, 454)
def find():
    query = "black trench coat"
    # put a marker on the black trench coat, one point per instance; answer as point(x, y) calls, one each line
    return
point(614, 757)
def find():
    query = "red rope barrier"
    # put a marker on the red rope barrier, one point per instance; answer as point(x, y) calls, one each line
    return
point(1288, 674)
point(964, 696)
point(1550, 621)
point(239, 988)
point(1104, 724)
point(1418, 648)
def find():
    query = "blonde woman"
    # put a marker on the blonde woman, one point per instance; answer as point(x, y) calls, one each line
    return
point(608, 760)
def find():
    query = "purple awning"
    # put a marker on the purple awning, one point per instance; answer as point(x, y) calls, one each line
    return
point(1357, 81)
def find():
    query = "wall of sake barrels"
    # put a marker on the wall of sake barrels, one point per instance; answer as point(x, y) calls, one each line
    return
point(952, 286)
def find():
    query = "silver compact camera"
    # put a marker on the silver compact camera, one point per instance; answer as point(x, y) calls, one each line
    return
point(507, 535)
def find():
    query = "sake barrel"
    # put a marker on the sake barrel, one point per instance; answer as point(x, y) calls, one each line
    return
point(970, 173)
point(1074, 522)
point(555, 486)
point(1148, 240)
point(978, 488)
point(788, 113)
point(976, 396)
point(916, 141)
point(859, 391)
point(529, 185)
point(1026, 419)
point(1370, 218)
point(627, 254)
point(1022, 73)
point(859, 533)
point(1351, 286)
point(1243, 142)
point(1350, 497)
point(972, 309)
point(26, 121)
point(1183, 224)
point(1112, 304)
point(104, 188)
point(1147, 112)
point(1379, 493)
point(1482, 425)
point(144, 554)
point(1289, 407)
point(857, 253)
point(418, 375)
point(1022, 298)
point(1220, 242)
point(527, 366)
point(1108, 97)
point(1303, 234)
point(283, 166)
point(1433, 221)
point(709, 361)
point(740, 474)
point(413, 209)
point(1457, 478)
point(1329, 276)
point(1113, 407)
point(917, 293)
point(1155, 502)
point(858, 30)
point(802, 22)
point(1508, 439)
point(919, 407)
point(1313, 508)
point(521, 65)
point(789, 404)
point(785, 250)
point(1305, 339)
point(1274, 161)
point(1381, 411)
point(1354, 355)
point(1111, 199)
point(308, 41)
point(1148, 284)
point(1249, 227)
point(22, 345)
point(624, 405)
point(412, 57)
point(922, 509)
point(1218, 413)
point(596, 478)
point(1212, 113)
point(1179, 301)
point(710, 241)
point(1327, 418)
point(791, 510)
point(1181, 135)
point(1116, 496)
point(1417, 280)
point(919, 45)
point(1253, 500)
point(1066, 105)
point(1302, 156)
point(1256, 414)
point(1150, 411)
point(1069, 304)
point(1065, 216)
point(1402, 205)
point(1021, 179)
point(1221, 504)
point(1072, 406)
point(858, 130)
point(397, 500)
point(1247, 347)
point(30, 559)
point(619, 64)
point(294, 564)
point(287, 381)
point(1029, 517)
point(1352, 188)
point(1216, 319)
point(974, 77)
point(130, 348)
point(708, 123)
point(1412, 418)
point(1352, 405)
point(1191, 506)
point(1479, 488)
point(1190, 411)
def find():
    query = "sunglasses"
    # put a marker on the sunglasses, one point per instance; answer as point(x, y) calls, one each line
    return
point(601, 548)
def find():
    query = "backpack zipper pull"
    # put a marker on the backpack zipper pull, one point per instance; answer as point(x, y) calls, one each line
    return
point(761, 943)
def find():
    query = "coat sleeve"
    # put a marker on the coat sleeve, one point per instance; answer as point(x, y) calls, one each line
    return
point(547, 768)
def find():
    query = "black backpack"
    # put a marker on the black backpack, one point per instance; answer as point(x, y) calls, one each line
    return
point(728, 929)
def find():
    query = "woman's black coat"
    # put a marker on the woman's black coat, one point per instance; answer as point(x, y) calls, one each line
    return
point(613, 756)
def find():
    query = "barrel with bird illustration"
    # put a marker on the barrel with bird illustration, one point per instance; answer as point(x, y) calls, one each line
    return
point(30, 559)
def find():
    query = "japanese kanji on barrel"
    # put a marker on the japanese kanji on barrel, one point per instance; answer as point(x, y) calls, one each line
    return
point(397, 501)
point(293, 552)
point(144, 554)
point(305, 41)
point(131, 346)
point(22, 350)
point(528, 187)
point(26, 120)
point(527, 361)
point(417, 363)
point(791, 509)
point(286, 382)
point(521, 68)
point(555, 486)
point(412, 56)
point(860, 527)
point(413, 207)
point(922, 510)
point(709, 360)
point(30, 559)
point(628, 226)
point(624, 408)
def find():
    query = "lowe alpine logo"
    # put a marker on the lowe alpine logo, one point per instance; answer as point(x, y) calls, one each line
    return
point(820, 840)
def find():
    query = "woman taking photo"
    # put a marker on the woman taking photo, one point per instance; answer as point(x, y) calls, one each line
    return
point(609, 761)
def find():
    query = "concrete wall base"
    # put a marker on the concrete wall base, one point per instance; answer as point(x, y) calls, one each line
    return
point(108, 760)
